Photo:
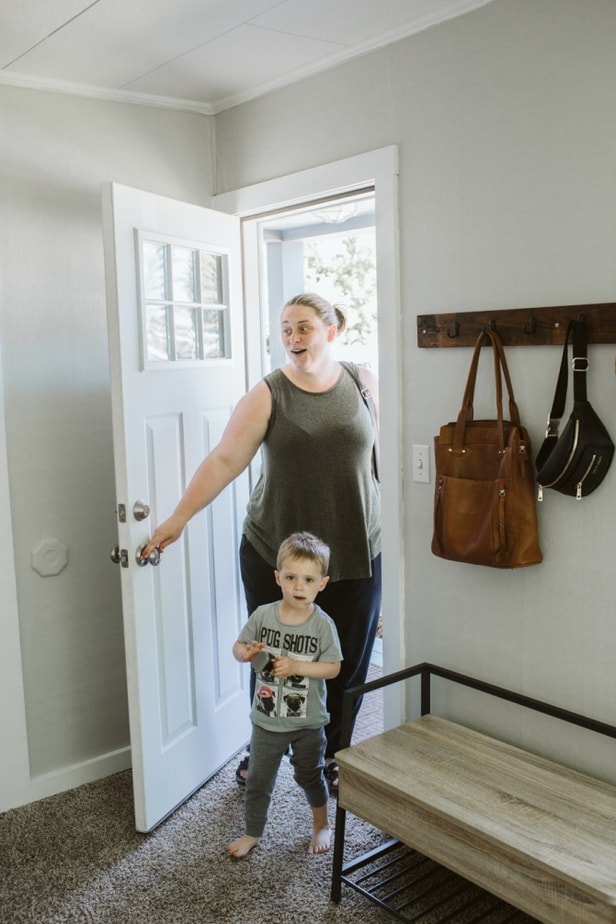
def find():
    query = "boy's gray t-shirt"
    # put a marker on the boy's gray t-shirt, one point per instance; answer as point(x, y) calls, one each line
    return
point(282, 704)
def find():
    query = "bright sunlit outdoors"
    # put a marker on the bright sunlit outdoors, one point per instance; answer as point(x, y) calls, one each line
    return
point(342, 268)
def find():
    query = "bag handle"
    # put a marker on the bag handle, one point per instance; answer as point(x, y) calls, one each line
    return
point(467, 410)
point(576, 332)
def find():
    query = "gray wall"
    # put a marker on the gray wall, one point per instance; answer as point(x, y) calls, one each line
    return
point(55, 153)
point(504, 120)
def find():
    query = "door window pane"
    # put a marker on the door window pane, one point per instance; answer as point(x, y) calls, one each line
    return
point(154, 269)
point(211, 278)
point(157, 334)
point(186, 333)
point(213, 334)
point(183, 273)
point(184, 306)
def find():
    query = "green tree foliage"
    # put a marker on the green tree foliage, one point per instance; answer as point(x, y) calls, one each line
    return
point(345, 273)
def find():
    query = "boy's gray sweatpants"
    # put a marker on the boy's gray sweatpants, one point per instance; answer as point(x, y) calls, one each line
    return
point(266, 751)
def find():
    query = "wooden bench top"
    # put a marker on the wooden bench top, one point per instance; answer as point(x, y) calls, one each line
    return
point(539, 835)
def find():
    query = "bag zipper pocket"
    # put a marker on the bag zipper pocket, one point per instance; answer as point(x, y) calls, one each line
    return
point(578, 487)
point(576, 437)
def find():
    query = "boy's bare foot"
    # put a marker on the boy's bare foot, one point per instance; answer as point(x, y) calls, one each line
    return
point(242, 847)
point(321, 840)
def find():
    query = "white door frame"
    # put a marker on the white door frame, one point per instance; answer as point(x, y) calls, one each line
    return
point(380, 168)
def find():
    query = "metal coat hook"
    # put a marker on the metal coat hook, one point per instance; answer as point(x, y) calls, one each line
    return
point(491, 325)
point(531, 325)
point(454, 330)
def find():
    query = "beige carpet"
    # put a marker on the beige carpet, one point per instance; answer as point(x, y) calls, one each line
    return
point(76, 858)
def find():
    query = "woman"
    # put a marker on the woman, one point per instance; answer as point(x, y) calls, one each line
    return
point(316, 437)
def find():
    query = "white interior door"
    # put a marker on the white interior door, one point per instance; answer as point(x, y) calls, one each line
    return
point(177, 370)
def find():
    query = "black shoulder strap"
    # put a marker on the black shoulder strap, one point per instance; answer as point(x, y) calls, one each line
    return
point(579, 363)
point(367, 397)
point(576, 332)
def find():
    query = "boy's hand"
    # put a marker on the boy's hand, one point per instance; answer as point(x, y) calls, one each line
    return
point(251, 650)
point(284, 667)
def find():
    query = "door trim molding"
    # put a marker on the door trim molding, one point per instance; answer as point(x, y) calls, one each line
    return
point(295, 188)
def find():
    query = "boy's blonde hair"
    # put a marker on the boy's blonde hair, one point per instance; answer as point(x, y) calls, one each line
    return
point(304, 545)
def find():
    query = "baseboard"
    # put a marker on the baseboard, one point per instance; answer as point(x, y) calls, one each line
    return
point(50, 784)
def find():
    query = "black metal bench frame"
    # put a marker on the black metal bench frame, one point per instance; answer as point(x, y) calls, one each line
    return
point(384, 855)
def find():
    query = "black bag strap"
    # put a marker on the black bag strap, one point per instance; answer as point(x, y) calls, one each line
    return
point(576, 332)
point(366, 394)
point(579, 363)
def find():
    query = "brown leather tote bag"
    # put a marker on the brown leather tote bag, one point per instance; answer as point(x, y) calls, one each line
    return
point(484, 500)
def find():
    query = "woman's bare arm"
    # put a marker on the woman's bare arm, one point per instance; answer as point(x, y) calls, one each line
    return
point(239, 443)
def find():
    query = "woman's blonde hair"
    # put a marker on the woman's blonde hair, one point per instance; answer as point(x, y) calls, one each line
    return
point(328, 313)
point(304, 545)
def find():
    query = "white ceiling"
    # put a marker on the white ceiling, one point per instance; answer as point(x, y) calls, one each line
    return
point(203, 55)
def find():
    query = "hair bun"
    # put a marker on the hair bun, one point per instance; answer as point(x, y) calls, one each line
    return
point(341, 317)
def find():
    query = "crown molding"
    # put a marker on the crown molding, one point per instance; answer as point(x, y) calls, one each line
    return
point(449, 9)
point(47, 85)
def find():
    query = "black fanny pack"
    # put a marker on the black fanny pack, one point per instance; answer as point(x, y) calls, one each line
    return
point(577, 461)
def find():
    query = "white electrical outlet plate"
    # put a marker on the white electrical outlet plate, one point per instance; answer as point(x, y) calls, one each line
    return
point(421, 463)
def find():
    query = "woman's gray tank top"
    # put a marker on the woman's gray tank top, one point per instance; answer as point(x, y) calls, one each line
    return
point(316, 476)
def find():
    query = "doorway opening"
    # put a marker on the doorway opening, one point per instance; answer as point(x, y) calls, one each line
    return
point(329, 247)
point(375, 172)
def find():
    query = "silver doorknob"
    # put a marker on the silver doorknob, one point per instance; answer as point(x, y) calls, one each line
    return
point(141, 510)
point(153, 558)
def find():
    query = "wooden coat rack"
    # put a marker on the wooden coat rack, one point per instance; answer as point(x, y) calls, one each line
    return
point(517, 326)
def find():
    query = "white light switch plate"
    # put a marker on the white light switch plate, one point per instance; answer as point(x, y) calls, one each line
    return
point(421, 463)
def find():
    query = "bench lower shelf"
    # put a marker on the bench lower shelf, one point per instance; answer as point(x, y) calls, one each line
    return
point(416, 890)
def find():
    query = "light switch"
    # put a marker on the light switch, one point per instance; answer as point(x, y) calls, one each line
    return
point(421, 463)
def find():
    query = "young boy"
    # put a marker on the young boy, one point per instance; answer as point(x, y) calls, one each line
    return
point(294, 648)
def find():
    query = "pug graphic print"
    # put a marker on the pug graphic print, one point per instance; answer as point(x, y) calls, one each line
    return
point(284, 697)
point(295, 701)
